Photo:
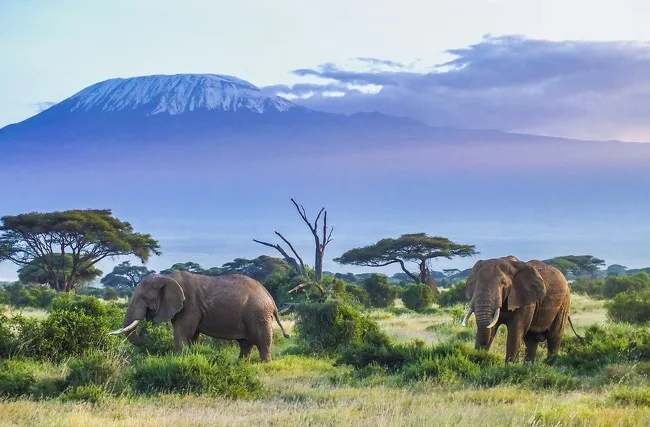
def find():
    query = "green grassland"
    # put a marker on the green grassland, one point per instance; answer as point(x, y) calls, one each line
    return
point(300, 389)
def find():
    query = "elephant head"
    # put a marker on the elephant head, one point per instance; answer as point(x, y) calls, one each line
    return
point(156, 298)
point(496, 284)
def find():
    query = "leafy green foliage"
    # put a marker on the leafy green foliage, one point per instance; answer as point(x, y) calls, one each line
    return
point(26, 378)
point(615, 285)
point(381, 293)
point(603, 346)
point(19, 295)
point(195, 373)
point(418, 297)
point(576, 265)
point(630, 307)
point(94, 368)
point(416, 247)
point(588, 286)
point(91, 393)
point(87, 236)
point(125, 275)
point(190, 267)
point(456, 294)
point(36, 272)
point(332, 326)
point(260, 268)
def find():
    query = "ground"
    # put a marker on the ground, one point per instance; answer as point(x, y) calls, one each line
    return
point(309, 391)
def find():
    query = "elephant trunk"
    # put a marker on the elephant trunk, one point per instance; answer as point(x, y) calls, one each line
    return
point(487, 314)
point(134, 315)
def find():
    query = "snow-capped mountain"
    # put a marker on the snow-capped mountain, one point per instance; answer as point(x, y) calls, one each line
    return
point(175, 94)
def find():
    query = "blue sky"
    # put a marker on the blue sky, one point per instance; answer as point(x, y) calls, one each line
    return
point(577, 68)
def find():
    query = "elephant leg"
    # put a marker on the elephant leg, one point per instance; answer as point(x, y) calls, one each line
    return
point(196, 339)
point(181, 339)
point(531, 348)
point(245, 348)
point(265, 341)
point(516, 331)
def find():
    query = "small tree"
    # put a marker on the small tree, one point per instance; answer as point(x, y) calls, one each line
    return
point(88, 236)
point(381, 293)
point(417, 247)
point(418, 297)
point(259, 268)
point(190, 267)
point(125, 276)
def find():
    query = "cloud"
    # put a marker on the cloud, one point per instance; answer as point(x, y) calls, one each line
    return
point(42, 106)
point(581, 89)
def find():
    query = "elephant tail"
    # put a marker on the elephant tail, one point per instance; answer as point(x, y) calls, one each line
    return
point(277, 318)
point(574, 331)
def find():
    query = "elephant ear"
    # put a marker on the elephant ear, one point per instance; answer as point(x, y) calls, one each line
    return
point(527, 286)
point(470, 283)
point(171, 299)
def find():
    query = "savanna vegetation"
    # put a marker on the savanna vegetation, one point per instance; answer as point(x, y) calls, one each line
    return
point(364, 350)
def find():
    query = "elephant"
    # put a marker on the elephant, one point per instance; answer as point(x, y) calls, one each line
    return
point(531, 298)
point(231, 307)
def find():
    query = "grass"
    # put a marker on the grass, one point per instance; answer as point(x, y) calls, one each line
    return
point(302, 390)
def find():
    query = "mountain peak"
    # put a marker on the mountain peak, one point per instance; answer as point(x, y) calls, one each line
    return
point(175, 94)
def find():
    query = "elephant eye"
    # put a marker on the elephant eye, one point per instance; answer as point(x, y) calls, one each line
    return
point(503, 281)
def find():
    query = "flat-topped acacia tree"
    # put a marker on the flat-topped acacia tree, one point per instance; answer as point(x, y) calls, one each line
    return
point(416, 247)
point(83, 236)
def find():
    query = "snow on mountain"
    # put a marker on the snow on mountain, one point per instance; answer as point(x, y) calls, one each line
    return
point(176, 94)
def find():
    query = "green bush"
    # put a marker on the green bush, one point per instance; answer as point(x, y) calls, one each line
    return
point(588, 286)
point(630, 307)
point(635, 396)
point(94, 368)
point(92, 393)
point(333, 325)
point(418, 297)
point(16, 378)
point(603, 346)
point(20, 295)
point(26, 378)
point(195, 373)
point(454, 295)
point(381, 293)
point(615, 285)
point(536, 376)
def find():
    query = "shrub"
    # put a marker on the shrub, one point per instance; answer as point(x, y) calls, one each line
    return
point(94, 368)
point(20, 295)
point(454, 295)
point(110, 294)
point(381, 293)
point(92, 393)
point(358, 294)
point(600, 347)
point(195, 373)
point(16, 378)
point(630, 307)
point(333, 325)
point(615, 285)
point(74, 325)
point(160, 339)
point(588, 286)
point(417, 297)
point(632, 396)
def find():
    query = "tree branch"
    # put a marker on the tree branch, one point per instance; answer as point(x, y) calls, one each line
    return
point(302, 264)
point(286, 256)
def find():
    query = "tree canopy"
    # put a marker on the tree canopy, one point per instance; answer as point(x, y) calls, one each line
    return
point(259, 268)
point(87, 236)
point(36, 273)
point(577, 265)
point(125, 276)
point(417, 247)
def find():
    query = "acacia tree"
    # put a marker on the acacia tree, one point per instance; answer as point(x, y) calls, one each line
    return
point(35, 273)
point(320, 243)
point(125, 275)
point(86, 236)
point(577, 264)
point(417, 247)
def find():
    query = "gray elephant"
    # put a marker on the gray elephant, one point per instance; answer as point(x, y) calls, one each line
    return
point(531, 298)
point(231, 307)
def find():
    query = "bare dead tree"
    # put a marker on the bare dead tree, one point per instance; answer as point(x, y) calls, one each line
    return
point(319, 241)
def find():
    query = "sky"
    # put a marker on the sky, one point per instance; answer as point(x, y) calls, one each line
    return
point(572, 68)
point(576, 69)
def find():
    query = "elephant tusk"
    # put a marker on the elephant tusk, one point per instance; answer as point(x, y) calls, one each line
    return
point(470, 310)
point(497, 312)
point(126, 328)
